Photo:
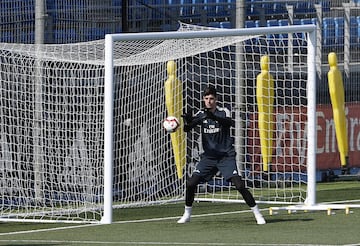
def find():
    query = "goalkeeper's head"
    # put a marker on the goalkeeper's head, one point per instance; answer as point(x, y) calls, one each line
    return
point(210, 90)
point(210, 99)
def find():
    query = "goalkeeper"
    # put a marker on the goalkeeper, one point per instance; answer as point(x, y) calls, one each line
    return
point(219, 153)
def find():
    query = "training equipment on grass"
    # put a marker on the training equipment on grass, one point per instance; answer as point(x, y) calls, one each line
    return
point(337, 96)
point(174, 106)
point(171, 124)
point(265, 102)
point(81, 124)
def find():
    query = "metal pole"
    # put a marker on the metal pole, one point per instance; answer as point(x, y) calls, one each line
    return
point(347, 40)
point(319, 40)
point(38, 110)
point(312, 139)
point(240, 109)
point(290, 55)
point(124, 16)
point(240, 14)
point(39, 21)
point(108, 131)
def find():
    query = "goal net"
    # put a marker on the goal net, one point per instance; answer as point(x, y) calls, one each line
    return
point(81, 123)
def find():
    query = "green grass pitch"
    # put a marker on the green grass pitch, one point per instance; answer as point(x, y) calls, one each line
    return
point(212, 224)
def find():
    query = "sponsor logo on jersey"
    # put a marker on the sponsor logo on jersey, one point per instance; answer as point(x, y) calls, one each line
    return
point(214, 130)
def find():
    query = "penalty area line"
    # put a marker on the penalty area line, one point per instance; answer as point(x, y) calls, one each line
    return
point(46, 229)
point(177, 217)
point(120, 222)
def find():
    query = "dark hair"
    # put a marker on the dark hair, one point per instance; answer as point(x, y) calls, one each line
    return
point(210, 90)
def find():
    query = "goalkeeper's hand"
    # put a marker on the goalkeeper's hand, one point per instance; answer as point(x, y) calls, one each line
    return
point(188, 118)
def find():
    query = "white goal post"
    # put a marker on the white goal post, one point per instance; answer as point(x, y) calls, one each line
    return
point(198, 41)
point(81, 124)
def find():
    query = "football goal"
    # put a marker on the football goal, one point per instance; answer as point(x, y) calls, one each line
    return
point(81, 124)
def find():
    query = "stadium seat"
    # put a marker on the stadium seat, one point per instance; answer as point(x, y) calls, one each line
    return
point(166, 28)
point(251, 46)
point(272, 9)
point(358, 28)
point(214, 24)
point(117, 3)
point(223, 8)
point(256, 7)
point(210, 8)
point(328, 32)
point(283, 36)
point(304, 7)
point(96, 33)
point(354, 41)
point(300, 36)
point(174, 8)
point(186, 8)
point(28, 37)
point(308, 21)
point(250, 24)
point(325, 5)
point(198, 7)
point(218, 9)
point(357, 2)
point(7, 37)
point(279, 9)
point(301, 7)
point(157, 10)
point(272, 39)
point(225, 24)
point(65, 36)
point(339, 30)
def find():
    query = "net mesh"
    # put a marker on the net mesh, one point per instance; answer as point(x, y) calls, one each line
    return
point(52, 122)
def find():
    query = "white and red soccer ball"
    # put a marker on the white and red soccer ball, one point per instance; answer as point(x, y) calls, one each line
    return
point(171, 124)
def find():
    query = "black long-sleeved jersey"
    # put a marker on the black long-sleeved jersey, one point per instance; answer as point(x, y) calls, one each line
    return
point(216, 139)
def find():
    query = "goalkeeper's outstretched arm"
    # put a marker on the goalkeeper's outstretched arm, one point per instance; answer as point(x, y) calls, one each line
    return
point(192, 121)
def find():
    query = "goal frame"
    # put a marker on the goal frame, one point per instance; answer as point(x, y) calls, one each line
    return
point(109, 96)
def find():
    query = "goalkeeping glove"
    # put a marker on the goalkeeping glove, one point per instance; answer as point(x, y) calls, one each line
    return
point(188, 118)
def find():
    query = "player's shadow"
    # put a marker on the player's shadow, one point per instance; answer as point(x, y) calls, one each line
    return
point(281, 220)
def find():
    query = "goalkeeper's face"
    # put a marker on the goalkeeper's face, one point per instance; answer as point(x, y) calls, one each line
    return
point(210, 101)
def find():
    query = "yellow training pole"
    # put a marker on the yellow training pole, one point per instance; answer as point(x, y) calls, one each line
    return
point(174, 105)
point(265, 102)
point(337, 96)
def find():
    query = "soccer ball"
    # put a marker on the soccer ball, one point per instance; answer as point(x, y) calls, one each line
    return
point(171, 124)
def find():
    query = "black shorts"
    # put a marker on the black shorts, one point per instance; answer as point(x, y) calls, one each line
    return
point(209, 166)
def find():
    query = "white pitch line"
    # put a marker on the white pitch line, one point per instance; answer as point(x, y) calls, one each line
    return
point(118, 222)
point(162, 243)
point(46, 230)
